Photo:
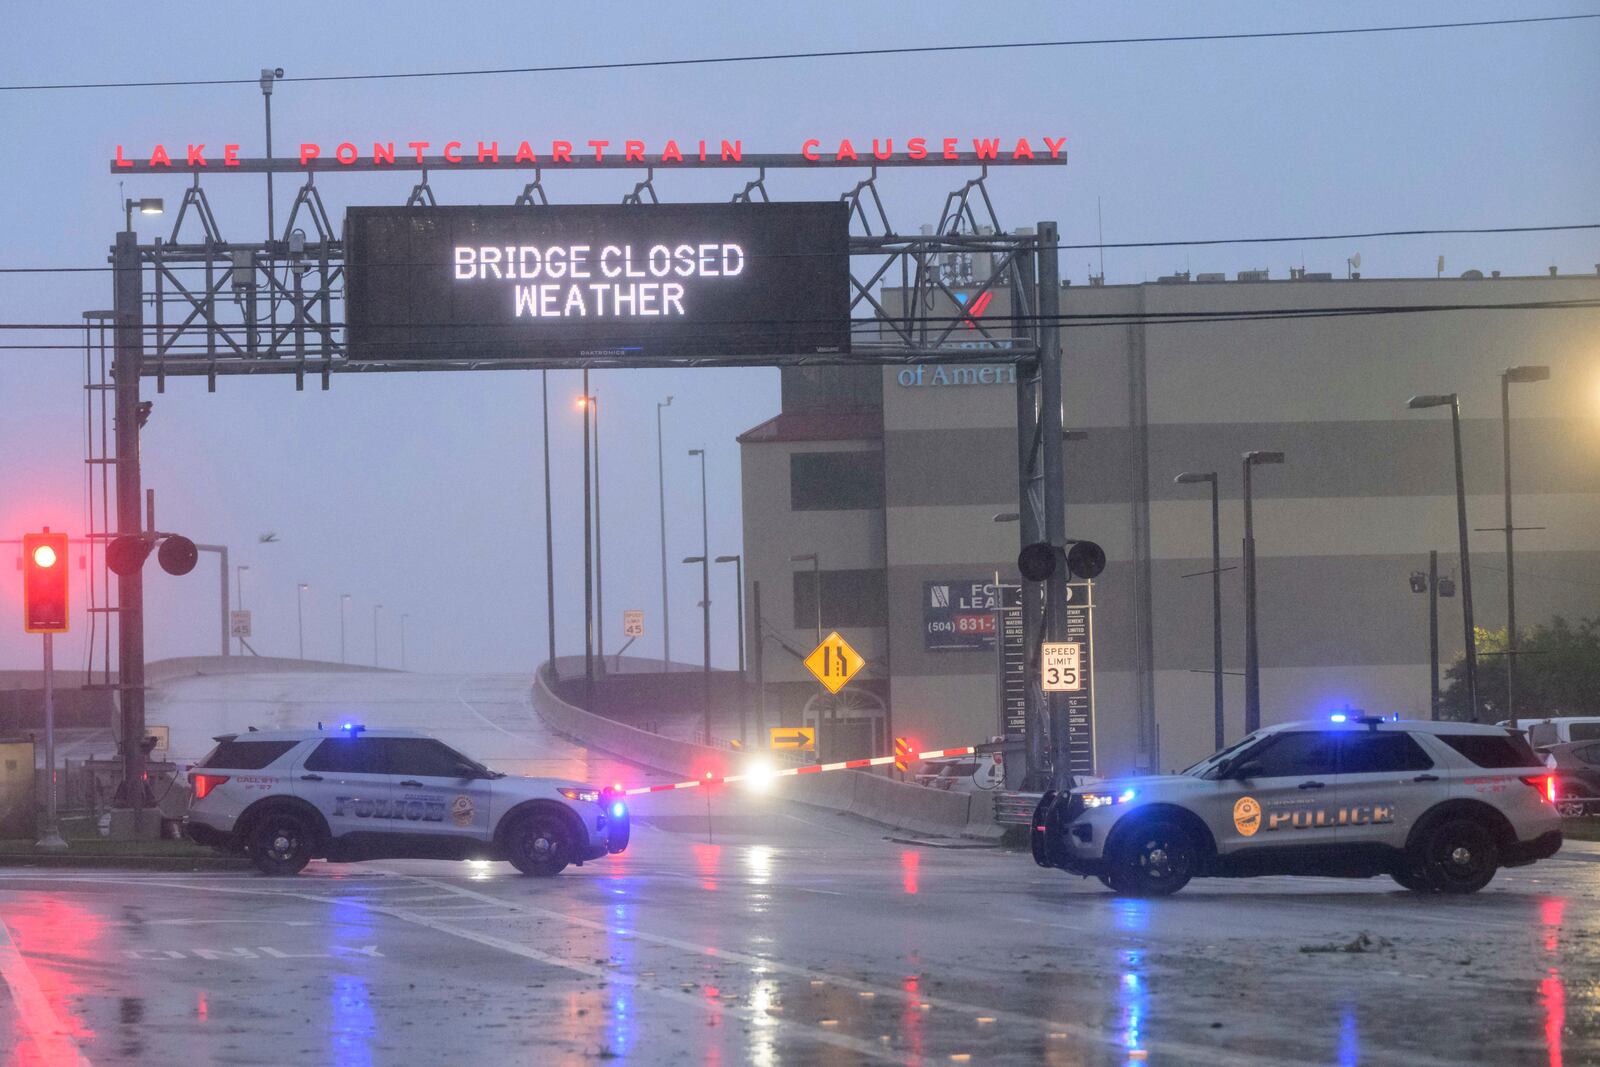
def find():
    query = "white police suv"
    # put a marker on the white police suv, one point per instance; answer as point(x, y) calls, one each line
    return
point(1438, 806)
point(285, 797)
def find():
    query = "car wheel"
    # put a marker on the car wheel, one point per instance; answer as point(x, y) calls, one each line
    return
point(1155, 858)
point(539, 844)
point(280, 842)
point(1459, 856)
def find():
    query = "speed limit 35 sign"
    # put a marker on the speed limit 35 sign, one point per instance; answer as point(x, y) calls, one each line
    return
point(1060, 666)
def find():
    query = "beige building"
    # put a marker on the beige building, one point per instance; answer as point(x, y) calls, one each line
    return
point(893, 477)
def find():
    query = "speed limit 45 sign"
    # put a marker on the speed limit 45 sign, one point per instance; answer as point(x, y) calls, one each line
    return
point(1060, 667)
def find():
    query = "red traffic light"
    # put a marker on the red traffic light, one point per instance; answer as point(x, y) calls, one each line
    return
point(44, 582)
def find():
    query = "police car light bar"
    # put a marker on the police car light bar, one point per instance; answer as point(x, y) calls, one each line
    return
point(789, 772)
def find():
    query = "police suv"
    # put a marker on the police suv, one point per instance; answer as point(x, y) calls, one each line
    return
point(1437, 806)
point(285, 797)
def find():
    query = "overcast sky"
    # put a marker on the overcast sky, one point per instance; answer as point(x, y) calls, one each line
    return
point(422, 492)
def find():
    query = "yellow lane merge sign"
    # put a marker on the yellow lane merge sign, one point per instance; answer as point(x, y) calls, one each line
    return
point(834, 662)
point(801, 737)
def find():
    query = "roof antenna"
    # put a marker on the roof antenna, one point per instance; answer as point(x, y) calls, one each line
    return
point(319, 724)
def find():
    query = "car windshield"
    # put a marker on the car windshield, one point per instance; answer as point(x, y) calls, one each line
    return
point(1199, 770)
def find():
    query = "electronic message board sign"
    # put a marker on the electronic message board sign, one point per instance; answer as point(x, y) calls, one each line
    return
point(626, 283)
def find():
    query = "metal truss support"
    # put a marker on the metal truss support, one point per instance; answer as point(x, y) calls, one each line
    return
point(309, 200)
point(641, 190)
point(958, 215)
point(754, 191)
point(422, 194)
point(532, 194)
point(195, 197)
point(856, 198)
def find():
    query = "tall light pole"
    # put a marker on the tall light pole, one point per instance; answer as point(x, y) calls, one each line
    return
point(661, 491)
point(705, 584)
point(1469, 632)
point(238, 586)
point(1510, 376)
point(344, 602)
point(1252, 652)
point(592, 407)
point(1218, 725)
point(738, 581)
point(300, 615)
point(403, 617)
point(816, 584)
point(549, 532)
point(375, 609)
point(588, 559)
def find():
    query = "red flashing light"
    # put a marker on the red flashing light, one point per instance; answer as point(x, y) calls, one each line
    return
point(205, 783)
point(1550, 788)
point(44, 582)
point(1545, 785)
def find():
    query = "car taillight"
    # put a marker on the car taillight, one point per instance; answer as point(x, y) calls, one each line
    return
point(205, 783)
point(1545, 784)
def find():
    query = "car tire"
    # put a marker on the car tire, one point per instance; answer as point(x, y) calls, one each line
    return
point(1458, 856)
point(539, 844)
point(1409, 876)
point(280, 841)
point(1154, 858)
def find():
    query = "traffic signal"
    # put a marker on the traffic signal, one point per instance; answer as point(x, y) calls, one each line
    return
point(1038, 561)
point(44, 582)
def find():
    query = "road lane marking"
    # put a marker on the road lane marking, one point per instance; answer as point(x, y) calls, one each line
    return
point(51, 1039)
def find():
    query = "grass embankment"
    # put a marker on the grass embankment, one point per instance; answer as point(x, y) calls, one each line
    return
point(86, 848)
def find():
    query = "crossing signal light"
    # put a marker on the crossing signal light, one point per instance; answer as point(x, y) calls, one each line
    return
point(1039, 561)
point(44, 582)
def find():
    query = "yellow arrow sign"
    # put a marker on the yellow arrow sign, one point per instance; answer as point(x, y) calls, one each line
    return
point(801, 737)
point(834, 662)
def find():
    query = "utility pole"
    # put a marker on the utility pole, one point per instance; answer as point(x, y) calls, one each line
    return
point(705, 586)
point(588, 562)
point(1252, 649)
point(549, 532)
point(128, 365)
point(375, 609)
point(300, 615)
point(757, 654)
point(599, 548)
point(344, 602)
point(1433, 634)
point(738, 582)
point(1507, 379)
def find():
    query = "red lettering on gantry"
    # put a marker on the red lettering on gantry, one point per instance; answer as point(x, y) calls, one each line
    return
point(917, 148)
point(599, 149)
point(886, 151)
point(633, 151)
point(230, 155)
point(809, 149)
point(452, 152)
point(308, 152)
point(846, 150)
point(1023, 150)
point(346, 153)
point(1054, 146)
point(119, 161)
point(561, 151)
point(525, 154)
point(987, 148)
point(702, 151)
point(950, 148)
point(732, 151)
point(492, 151)
point(671, 154)
point(196, 155)
point(417, 147)
point(383, 151)
point(159, 157)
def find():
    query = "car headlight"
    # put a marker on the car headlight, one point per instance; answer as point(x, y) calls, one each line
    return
point(1100, 800)
point(591, 796)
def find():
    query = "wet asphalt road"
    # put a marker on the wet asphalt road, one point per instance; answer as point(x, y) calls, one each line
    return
point(791, 936)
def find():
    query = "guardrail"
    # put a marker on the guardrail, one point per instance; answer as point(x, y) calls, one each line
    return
point(1015, 809)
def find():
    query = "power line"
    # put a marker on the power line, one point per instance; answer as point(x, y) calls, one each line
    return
point(1187, 243)
point(850, 53)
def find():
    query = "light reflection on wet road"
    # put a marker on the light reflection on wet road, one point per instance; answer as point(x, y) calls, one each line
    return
point(791, 936)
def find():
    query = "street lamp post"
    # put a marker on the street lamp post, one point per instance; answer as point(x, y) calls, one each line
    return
point(1218, 725)
point(238, 586)
point(344, 602)
point(593, 403)
point(588, 559)
point(1252, 652)
point(705, 584)
point(300, 615)
point(738, 580)
point(549, 534)
point(1469, 633)
point(816, 584)
point(1510, 376)
point(375, 609)
point(403, 617)
point(661, 491)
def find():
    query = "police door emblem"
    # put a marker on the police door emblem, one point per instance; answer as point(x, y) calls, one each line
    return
point(1246, 816)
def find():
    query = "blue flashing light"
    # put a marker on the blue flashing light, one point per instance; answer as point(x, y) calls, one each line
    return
point(618, 810)
point(1337, 716)
point(1127, 795)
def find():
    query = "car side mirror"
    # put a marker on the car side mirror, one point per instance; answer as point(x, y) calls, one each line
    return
point(1246, 771)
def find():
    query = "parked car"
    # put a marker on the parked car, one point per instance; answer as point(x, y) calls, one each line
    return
point(1542, 733)
point(1577, 776)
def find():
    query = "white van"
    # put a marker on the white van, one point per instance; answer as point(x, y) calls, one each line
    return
point(1542, 733)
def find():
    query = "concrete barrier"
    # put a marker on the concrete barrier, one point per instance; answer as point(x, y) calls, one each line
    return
point(868, 796)
point(163, 670)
